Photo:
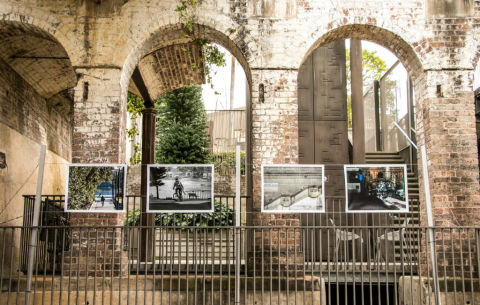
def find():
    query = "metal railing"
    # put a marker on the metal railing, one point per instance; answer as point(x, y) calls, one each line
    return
point(355, 265)
point(52, 215)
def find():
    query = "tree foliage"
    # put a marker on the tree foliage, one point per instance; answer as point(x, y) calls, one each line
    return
point(82, 185)
point(223, 215)
point(181, 129)
point(373, 67)
point(225, 161)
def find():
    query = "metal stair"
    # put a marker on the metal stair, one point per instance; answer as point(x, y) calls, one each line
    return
point(411, 236)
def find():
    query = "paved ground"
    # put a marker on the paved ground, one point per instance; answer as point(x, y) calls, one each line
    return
point(108, 206)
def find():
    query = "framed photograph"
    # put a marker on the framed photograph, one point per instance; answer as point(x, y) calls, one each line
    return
point(95, 188)
point(174, 188)
point(293, 188)
point(376, 188)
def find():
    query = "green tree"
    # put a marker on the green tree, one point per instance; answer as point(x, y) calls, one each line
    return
point(373, 68)
point(82, 185)
point(181, 129)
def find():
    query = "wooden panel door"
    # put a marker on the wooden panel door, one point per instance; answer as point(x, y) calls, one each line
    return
point(323, 138)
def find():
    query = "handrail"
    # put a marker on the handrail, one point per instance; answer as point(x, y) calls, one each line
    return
point(405, 134)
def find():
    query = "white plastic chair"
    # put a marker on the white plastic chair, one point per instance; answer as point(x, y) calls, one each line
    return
point(392, 237)
point(344, 236)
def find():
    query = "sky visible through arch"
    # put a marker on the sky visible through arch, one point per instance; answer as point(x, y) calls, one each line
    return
point(221, 79)
point(221, 84)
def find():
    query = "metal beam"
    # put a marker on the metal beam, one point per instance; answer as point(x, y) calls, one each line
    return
point(148, 157)
point(376, 94)
point(142, 88)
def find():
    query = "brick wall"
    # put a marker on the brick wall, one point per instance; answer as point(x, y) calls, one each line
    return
point(99, 134)
point(98, 137)
point(106, 40)
point(46, 121)
point(28, 120)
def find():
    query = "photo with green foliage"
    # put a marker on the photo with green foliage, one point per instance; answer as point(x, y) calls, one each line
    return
point(92, 188)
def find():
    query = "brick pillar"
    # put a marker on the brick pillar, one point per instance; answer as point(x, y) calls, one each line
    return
point(274, 141)
point(99, 118)
point(446, 126)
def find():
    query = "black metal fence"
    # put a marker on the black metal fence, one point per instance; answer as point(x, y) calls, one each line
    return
point(249, 265)
point(316, 245)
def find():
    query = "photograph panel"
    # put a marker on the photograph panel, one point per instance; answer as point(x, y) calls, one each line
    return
point(180, 188)
point(292, 188)
point(376, 188)
point(95, 188)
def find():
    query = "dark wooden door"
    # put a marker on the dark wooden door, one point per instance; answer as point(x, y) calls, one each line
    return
point(323, 138)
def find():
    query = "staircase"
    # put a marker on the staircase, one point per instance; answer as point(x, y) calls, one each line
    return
point(411, 236)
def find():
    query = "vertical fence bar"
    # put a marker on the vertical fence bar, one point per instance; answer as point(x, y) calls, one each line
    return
point(36, 215)
point(237, 226)
point(430, 224)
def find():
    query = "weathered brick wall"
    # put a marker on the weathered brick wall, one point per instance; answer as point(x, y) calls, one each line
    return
point(99, 117)
point(274, 141)
point(28, 120)
point(98, 137)
point(274, 122)
point(449, 135)
point(105, 41)
point(46, 121)
point(134, 179)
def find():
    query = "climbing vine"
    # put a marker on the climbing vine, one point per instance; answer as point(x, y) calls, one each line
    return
point(211, 54)
point(135, 105)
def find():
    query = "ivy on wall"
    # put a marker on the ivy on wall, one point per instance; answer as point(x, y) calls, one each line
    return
point(135, 106)
point(211, 56)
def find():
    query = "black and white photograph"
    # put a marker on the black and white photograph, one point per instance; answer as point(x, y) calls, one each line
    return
point(95, 188)
point(376, 188)
point(180, 188)
point(293, 188)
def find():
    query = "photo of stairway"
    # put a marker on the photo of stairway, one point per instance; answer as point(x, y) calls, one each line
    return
point(293, 188)
point(376, 188)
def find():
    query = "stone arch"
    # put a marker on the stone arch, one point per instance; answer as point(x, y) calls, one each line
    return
point(32, 48)
point(405, 52)
point(49, 29)
point(171, 34)
point(167, 35)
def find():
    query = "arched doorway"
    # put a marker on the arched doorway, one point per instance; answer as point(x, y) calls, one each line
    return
point(325, 132)
point(166, 64)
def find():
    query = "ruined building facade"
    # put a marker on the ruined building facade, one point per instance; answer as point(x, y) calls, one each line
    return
point(66, 68)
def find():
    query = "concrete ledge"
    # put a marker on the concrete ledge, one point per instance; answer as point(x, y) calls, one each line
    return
point(415, 290)
point(166, 289)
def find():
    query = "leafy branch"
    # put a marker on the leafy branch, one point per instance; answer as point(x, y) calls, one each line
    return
point(211, 54)
point(135, 106)
point(223, 215)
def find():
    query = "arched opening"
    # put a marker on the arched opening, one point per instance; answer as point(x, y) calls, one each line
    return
point(36, 100)
point(382, 131)
point(168, 62)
